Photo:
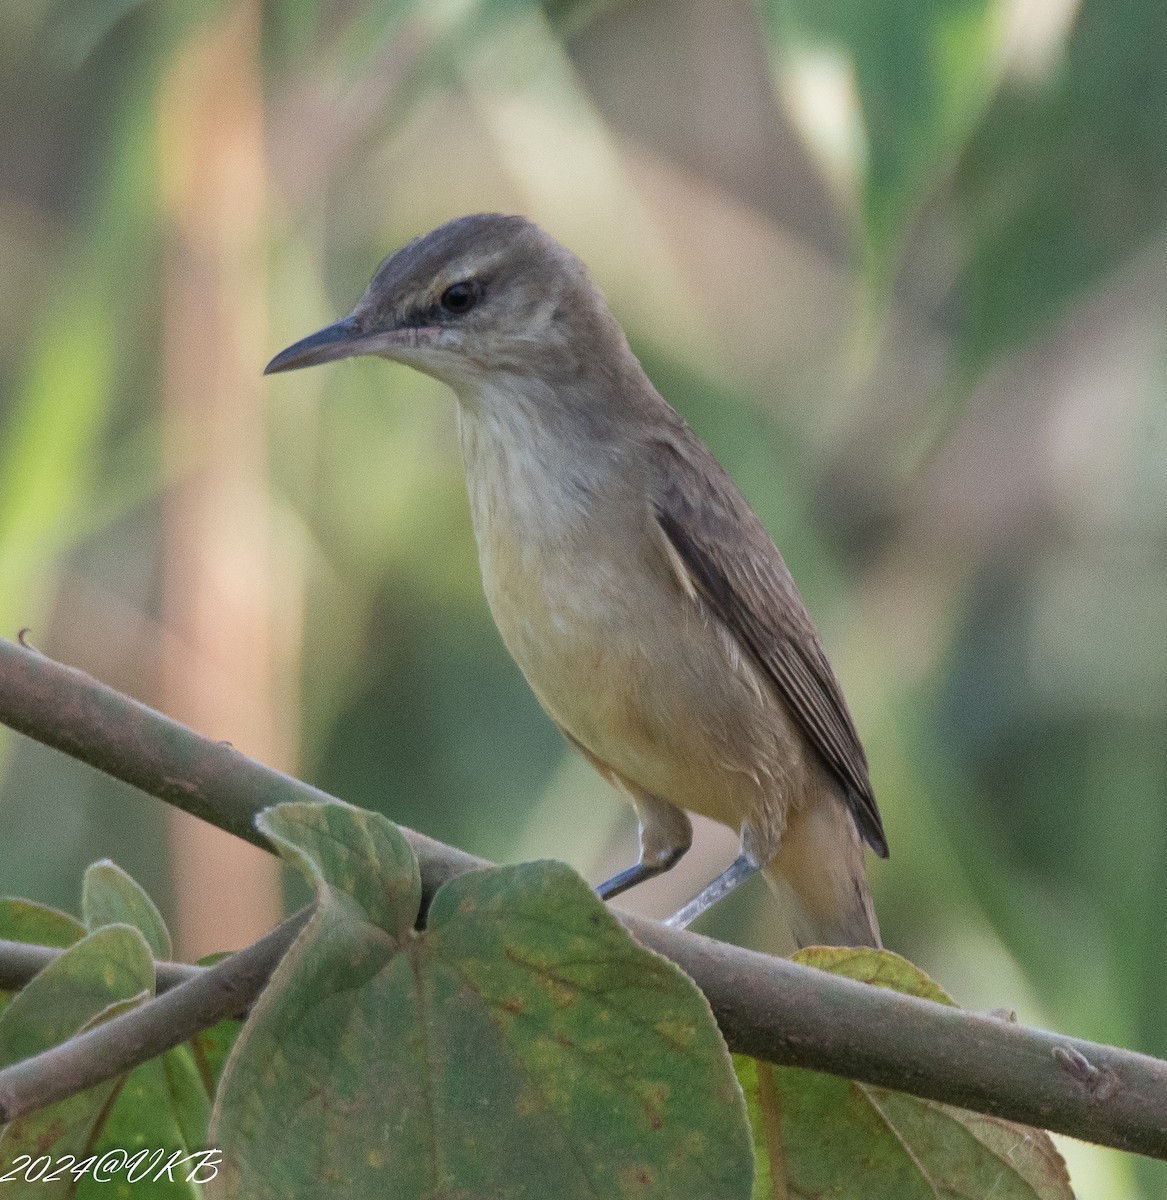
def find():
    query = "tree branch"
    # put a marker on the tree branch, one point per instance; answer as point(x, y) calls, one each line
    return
point(20, 961)
point(70, 711)
point(774, 1009)
point(154, 1027)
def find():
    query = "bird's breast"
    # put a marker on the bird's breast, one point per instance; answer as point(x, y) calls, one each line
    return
point(559, 542)
point(615, 650)
point(559, 594)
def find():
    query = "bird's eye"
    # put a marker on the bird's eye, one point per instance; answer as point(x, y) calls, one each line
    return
point(460, 297)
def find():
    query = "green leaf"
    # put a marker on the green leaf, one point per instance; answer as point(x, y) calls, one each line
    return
point(211, 1048)
point(818, 1135)
point(37, 924)
point(47, 463)
point(350, 856)
point(162, 1107)
point(105, 973)
point(923, 75)
point(107, 966)
point(109, 896)
point(879, 967)
point(521, 1042)
point(165, 1104)
point(1034, 243)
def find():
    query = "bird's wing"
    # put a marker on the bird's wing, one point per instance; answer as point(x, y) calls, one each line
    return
point(729, 560)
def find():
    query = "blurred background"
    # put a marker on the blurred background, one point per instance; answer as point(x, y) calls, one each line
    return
point(902, 265)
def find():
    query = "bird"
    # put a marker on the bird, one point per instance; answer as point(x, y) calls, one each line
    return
point(643, 600)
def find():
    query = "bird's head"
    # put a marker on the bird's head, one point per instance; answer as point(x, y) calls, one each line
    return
point(478, 298)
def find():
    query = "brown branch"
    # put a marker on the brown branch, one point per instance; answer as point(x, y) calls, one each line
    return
point(19, 962)
point(143, 1033)
point(70, 711)
point(774, 1009)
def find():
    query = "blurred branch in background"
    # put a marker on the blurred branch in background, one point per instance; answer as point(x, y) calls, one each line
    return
point(905, 273)
point(228, 668)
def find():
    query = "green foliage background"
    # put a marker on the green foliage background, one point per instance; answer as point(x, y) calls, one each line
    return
point(902, 265)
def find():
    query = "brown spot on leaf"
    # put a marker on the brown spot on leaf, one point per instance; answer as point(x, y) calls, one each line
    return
point(49, 1137)
point(638, 1179)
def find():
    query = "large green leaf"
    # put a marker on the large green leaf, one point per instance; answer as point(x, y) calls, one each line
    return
point(522, 1044)
point(820, 1136)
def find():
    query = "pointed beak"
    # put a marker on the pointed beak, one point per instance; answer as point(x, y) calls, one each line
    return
point(341, 339)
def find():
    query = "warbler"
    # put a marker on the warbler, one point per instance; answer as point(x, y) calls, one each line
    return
point(641, 597)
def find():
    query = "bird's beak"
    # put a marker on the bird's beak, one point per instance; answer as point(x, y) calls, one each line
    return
point(341, 339)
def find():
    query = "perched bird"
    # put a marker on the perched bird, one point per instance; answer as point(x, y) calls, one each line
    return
point(643, 600)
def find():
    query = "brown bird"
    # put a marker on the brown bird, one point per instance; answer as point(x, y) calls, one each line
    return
point(643, 600)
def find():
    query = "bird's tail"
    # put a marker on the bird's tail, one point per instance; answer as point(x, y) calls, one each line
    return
point(821, 879)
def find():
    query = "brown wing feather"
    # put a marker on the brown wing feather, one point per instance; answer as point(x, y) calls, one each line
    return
point(738, 572)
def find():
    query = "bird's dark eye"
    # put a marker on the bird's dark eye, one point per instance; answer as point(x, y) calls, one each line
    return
point(460, 297)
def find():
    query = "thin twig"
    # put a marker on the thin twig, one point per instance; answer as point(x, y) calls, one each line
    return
point(143, 1033)
point(774, 1009)
point(20, 961)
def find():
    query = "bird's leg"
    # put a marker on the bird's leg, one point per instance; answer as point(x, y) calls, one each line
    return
point(665, 834)
point(629, 878)
point(739, 870)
